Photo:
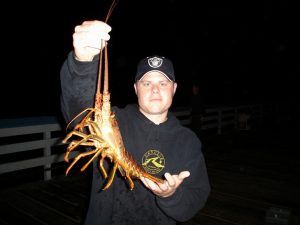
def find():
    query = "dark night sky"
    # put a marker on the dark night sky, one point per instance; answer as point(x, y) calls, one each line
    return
point(225, 46)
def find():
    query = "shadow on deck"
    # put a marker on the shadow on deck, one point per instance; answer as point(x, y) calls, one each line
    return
point(254, 176)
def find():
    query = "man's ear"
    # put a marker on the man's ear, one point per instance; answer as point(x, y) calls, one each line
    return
point(175, 87)
point(135, 90)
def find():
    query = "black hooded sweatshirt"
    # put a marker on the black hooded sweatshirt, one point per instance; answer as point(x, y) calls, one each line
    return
point(167, 147)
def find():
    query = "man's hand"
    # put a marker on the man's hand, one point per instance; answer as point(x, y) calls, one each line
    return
point(171, 183)
point(88, 39)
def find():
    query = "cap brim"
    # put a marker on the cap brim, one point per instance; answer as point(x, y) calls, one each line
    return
point(155, 71)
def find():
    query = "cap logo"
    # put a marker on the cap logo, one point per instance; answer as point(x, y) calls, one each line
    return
point(155, 62)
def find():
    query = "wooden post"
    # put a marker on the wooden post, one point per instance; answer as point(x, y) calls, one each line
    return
point(47, 152)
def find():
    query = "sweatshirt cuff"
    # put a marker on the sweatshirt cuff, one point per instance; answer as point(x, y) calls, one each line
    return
point(83, 68)
point(172, 200)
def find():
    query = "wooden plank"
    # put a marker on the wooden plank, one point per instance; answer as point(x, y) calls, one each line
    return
point(28, 146)
point(78, 185)
point(223, 209)
point(55, 202)
point(30, 163)
point(10, 215)
point(67, 194)
point(39, 211)
point(29, 125)
point(234, 209)
point(64, 199)
point(258, 188)
point(13, 131)
point(265, 170)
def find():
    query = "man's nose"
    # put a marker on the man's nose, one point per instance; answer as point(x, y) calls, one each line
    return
point(155, 89)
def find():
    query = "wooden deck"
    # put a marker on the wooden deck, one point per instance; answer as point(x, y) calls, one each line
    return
point(255, 178)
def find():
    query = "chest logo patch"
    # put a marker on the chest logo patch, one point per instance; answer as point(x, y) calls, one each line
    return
point(153, 161)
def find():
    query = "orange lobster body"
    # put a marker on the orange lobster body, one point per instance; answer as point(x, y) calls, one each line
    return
point(99, 129)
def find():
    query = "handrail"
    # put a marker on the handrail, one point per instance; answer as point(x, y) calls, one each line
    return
point(44, 134)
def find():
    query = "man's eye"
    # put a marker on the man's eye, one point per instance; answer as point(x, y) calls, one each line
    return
point(164, 84)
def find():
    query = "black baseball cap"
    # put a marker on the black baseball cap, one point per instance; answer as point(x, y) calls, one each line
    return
point(155, 63)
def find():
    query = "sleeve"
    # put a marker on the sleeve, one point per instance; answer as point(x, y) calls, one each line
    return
point(193, 193)
point(78, 85)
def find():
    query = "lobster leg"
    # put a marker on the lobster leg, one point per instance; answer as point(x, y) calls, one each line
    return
point(110, 180)
point(84, 141)
point(97, 153)
point(74, 144)
point(80, 126)
point(131, 184)
point(79, 157)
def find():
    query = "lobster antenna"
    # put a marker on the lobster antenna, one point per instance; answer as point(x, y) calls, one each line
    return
point(102, 46)
point(98, 92)
point(105, 88)
point(111, 8)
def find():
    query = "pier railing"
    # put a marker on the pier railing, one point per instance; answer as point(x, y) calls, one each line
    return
point(36, 142)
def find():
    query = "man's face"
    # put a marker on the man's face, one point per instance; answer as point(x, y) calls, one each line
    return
point(155, 93)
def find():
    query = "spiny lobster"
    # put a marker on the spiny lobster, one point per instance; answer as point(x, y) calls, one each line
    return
point(99, 129)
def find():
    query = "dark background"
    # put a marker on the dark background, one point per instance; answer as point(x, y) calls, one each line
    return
point(238, 51)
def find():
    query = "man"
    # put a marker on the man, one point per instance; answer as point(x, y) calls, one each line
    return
point(151, 134)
